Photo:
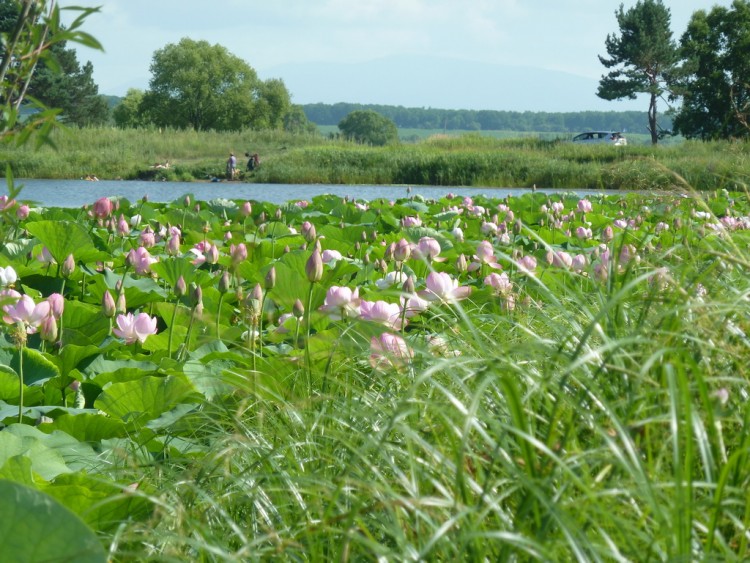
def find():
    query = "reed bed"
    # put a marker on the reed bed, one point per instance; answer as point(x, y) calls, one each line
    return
point(468, 160)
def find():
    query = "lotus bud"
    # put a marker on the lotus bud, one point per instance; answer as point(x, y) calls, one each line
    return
point(238, 253)
point(48, 329)
point(108, 305)
point(187, 201)
point(270, 280)
point(402, 251)
point(314, 267)
point(212, 254)
point(461, 264)
point(409, 286)
point(366, 259)
point(180, 287)
point(308, 231)
point(196, 295)
point(246, 209)
point(278, 215)
point(173, 245)
point(121, 305)
point(517, 226)
point(22, 212)
point(68, 266)
point(298, 309)
point(287, 250)
point(56, 305)
point(225, 282)
point(262, 217)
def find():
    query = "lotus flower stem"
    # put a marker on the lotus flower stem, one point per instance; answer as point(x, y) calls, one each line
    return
point(171, 329)
point(20, 385)
point(308, 360)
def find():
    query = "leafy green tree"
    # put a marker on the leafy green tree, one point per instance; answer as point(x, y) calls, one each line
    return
point(201, 86)
point(30, 29)
point(61, 82)
point(715, 86)
point(368, 126)
point(128, 112)
point(643, 57)
point(295, 121)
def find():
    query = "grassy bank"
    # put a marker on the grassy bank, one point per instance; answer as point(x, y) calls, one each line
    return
point(469, 160)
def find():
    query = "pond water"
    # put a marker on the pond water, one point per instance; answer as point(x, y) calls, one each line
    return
point(75, 193)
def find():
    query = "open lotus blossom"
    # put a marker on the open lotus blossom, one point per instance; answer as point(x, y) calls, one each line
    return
point(500, 283)
point(414, 305)
point(584, 206)
point(8, 276)
point(135, 328)
point(389, 351)
point(27, 313)
point(409, 221)
point(485, 255)
point(584, 233)
point(329, 256)
point(141, 260)
point(442, 287)
point(391, 279)
point(341, 303)
point(382, 312)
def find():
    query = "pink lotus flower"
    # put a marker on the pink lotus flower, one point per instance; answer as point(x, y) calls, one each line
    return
point(414, 305)
point(141, 260)
point(238, 253)
point(5, 203)
point(103, 207)
point(148, 238)
point(45, 257)
point(22, 212)
point(173, 245)
point(56, 304)
point(401, 250)
point(389, 351)
point(442, 287)
point(527, 264)
point(485, 255)
point(27, 313)
point(584, 206)
point(341, 303)
point(408, 222)
point(427, 249)
point(382, 312)
point(579, 263)
point(330, 256)
point(131, 328)
point(499, 283)
point(583, 233)
point(559, 259)
point(246, 209)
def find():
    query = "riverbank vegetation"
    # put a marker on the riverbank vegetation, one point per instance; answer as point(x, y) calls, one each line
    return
point(534, 378)
point(467, 160)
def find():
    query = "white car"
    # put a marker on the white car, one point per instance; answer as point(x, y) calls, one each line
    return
point(599, 137)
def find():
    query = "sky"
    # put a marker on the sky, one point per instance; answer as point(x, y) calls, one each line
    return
point(559, 35)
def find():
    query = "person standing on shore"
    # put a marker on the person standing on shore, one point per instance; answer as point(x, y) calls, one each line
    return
point(231, 166)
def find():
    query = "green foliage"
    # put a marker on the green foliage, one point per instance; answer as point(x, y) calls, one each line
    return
point(643, 56)
point(715, 88)
point(35, 527)
point(369, 127)
point(28, 42)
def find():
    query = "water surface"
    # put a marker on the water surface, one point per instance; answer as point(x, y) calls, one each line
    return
point(75, 193)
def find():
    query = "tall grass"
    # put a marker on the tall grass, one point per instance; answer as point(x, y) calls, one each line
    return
point(469, 160)
point(597, 421)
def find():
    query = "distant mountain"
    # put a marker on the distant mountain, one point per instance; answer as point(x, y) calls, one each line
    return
point(424, 81)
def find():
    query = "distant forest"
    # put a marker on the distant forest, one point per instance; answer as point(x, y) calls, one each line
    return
point(490, 120)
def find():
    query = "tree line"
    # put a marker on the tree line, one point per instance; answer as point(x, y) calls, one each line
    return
point(483, 120)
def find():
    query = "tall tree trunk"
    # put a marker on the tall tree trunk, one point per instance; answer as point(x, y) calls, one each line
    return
point(652, 120)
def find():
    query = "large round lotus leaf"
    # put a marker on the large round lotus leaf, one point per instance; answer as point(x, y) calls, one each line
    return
point(35, 527)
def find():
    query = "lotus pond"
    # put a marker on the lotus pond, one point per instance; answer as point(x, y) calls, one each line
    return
point(541, 377)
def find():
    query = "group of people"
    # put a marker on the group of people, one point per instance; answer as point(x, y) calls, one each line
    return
point(252, 163)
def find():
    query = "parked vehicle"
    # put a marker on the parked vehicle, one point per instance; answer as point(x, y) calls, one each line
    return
point(597, 137)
